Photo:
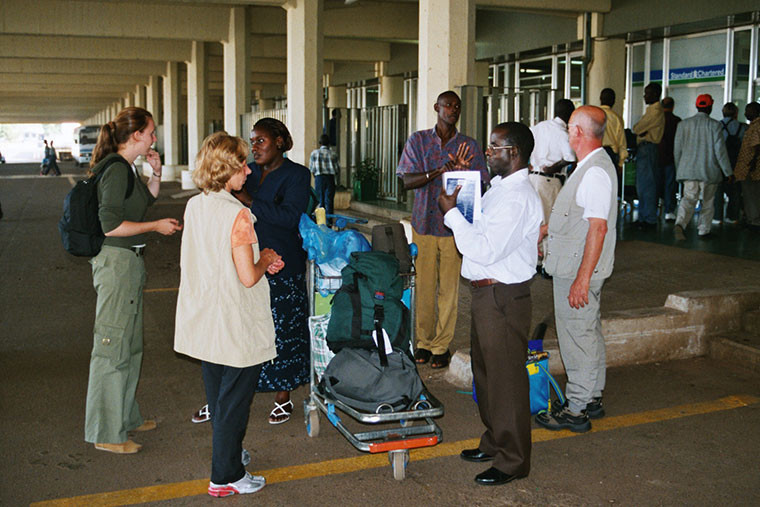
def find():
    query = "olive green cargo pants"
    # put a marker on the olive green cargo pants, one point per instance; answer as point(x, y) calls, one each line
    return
point(118, 276)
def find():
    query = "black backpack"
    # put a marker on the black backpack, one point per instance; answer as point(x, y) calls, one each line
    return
point(733, 144)
point(390, 238)
point(369, 300)
point(79, 226)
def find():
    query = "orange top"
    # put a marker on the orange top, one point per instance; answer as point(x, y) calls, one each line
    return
point(242, 229)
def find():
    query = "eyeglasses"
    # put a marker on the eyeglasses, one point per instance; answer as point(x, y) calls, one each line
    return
point(493, 147)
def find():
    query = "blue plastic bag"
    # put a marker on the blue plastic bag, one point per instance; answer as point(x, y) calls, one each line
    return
point(330, 249)
point(540, 381)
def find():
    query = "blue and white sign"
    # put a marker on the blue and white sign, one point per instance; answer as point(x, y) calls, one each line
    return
point(685, 75)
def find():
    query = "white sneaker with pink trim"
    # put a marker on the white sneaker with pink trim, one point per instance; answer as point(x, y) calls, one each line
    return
point(248, 484)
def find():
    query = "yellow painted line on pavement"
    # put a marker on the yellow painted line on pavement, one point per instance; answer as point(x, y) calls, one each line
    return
point(367, 461)
point(163, 289)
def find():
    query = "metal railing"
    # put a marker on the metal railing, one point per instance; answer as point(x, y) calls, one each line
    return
point(248, 119)
point(379, 133)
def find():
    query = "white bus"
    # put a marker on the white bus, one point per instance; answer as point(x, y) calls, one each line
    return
point(85, 138)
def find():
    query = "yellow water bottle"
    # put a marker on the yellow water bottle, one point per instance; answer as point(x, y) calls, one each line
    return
point(319, 214)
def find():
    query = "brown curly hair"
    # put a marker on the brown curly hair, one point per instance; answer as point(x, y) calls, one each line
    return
point(219, 159)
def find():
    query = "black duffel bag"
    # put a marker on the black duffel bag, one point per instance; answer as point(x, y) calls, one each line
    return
point(355, 377)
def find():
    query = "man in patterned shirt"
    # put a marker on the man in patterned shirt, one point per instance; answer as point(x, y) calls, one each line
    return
point(427, 155)
point(748, 167)
point(323, 164)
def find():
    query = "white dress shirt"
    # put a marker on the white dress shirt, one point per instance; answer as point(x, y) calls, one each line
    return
point(552, 144)
point(503, 244)
point(593, 190)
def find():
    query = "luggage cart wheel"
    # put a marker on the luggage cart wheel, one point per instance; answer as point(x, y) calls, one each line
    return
point(399, 460)
point(312, 423)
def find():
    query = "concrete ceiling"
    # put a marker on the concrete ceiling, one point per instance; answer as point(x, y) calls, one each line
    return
point(65, 60)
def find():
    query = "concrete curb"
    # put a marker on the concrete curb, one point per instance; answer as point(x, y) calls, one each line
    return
point(684, 327)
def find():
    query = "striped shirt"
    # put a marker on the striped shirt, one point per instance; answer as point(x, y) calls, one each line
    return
point(323, 161)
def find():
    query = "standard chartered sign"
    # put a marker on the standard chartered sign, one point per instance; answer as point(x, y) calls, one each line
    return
point(685, 75)
point(697, 74)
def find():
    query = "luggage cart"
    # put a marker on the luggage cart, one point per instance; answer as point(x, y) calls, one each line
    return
point(400, 431)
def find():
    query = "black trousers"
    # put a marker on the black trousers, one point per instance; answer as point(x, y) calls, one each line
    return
point(229, 392)
point(499, 335)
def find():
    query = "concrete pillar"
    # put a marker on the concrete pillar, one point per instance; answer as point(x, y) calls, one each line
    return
point(237, 89)
point(446, 53)
point(265, 104)
point(337, 97)
point(607, 70)
point(171, 114)
point(305, 37)
point(151, 97)
point(391, 90)
point(129, 99)
point(196, 101)
point(140, 96)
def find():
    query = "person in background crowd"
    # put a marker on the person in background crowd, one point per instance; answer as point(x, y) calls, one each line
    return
point(323, 164)
point(427, 155)
point(550, 158)
point(649, 130)
point(118, 274)
point(667, 165)
point(733, 133)
point(748, 167)
point(223, 313)
point(701, 162)
point(614, 137)
point(499, 254)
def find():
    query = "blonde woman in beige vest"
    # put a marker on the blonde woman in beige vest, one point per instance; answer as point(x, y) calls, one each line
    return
point(224, 317)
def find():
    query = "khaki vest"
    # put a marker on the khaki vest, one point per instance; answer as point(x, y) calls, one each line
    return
point(567, 228)
point(219, 320)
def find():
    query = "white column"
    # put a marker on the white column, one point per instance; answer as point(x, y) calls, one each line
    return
point(171, 114)
point(196, 101)
point(446, 53)
point(140, 96)
point(608, 71)
point(236, 76)
point(151, 96)
point(305, 37)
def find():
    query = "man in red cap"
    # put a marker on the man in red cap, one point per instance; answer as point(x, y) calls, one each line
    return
point(701, 161)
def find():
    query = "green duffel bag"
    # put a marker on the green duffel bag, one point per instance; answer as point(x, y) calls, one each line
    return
point(369, 300)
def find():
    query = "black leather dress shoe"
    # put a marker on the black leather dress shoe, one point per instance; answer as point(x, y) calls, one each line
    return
point(475, 455)
point(495, 477)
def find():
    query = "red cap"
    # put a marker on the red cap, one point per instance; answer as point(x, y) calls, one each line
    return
point(704, 100)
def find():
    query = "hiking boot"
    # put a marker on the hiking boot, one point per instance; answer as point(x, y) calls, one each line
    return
point(248, 484)
point(595, 408)
point(560, 418)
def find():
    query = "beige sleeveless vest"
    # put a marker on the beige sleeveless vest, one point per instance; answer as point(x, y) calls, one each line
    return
point(218, 319)
point(567, 228)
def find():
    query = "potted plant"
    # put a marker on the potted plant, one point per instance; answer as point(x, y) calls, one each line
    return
point(365, 180)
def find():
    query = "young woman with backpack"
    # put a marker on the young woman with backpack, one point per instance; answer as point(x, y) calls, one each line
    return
point(118, 274)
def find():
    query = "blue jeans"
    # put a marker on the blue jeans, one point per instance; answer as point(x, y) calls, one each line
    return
point(325, 186)
point(646, 183)
point(669, 192)
point(229, 392)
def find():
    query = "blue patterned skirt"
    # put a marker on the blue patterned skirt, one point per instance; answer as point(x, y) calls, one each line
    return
point(290, 312)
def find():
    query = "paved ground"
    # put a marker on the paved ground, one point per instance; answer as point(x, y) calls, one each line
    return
point(675, 432)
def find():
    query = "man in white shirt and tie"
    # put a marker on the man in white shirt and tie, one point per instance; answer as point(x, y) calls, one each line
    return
point(499, 257)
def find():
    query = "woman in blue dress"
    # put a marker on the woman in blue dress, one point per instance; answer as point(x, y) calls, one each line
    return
point(277, 191)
